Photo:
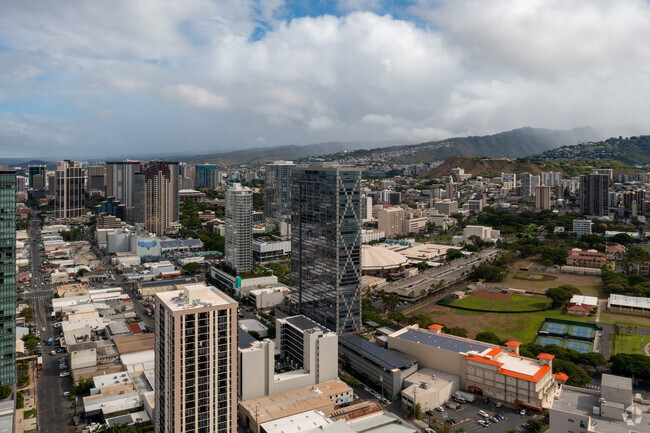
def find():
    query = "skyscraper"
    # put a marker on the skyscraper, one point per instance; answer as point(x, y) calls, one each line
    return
point(326, 245)
point(594, 189)
point(552, 178)
point(277, 190)
point(120, 183)
point(69, 191)
point(542, 197)
point(96, 179)
point(35, 169)
point(206, 175)
point(196, 361)
point(239, 228)
point(528, 184)
point(7, 277)
point(161, 196)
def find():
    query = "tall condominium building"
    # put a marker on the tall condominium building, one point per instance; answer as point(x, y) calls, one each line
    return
point(277, 190)
point(51, 183)
point(7, 277)
point(34, 170)
point(96, 178)
point(528, 184)
point(206, 176)
point(637, 197)
point(69, 191)
point(509, 177)
point(552, 178)
point(390, 221)
point(594, 189)
point(451, 191)
point(120, 181)
point(161, 196)
point(196, 361)
point(239, 228)
point(326, 245)
point(542, 197)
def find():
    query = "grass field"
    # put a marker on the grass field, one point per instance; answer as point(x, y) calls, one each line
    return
point(515, 303)
point(588, 285)
point(521, 327)
point(629, 343)
point(624, 319)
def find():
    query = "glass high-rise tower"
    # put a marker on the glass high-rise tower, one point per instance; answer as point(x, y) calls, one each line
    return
point(7, 277)
point(326, 245)
point(277, 190)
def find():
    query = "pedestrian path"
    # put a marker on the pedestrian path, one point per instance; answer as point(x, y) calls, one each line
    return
point(27, 417)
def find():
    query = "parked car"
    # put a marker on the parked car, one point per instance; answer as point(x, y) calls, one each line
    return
point(66, 394)
point(522, 412)
point(498, 405)
point(495, 419)
point(484, 423)
point(483, 414)
point(64, 374)
point(440, 409)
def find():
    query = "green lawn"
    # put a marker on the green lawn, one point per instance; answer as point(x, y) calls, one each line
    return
point(624, 319)
point(515, 303)
point(29, 414)
point(629, 343)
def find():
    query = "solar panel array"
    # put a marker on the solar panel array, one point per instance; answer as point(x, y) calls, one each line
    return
point(442, 341)
point(387, 358)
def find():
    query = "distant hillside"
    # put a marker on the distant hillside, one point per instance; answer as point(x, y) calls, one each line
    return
point(490, 167)
point(289, 152)
point(632, 151)
point(512, 144)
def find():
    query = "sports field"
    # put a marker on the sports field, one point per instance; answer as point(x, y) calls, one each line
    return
point(497, 301)
point(578, 346)
point(629, 343)
point(574, 331)
point(521, 327)
point(537, 281)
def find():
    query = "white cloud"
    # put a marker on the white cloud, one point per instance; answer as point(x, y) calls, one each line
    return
point(196, 96)
point(461, 65)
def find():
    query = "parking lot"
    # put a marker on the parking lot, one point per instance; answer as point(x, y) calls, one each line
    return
point(468, 416)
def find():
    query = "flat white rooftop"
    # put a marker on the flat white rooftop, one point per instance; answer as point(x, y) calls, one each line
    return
point(193, 296)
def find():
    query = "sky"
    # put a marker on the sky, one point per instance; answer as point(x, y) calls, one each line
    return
point(98, 79)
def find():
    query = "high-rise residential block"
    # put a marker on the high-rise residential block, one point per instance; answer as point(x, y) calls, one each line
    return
point(69, 191)
point(594, 194)
point(239, 228)
point(509, 177)
point(528, 184)
point(206, 176)
point(326, 245)
point(196, 361)
point(96, 179)
point(277, 190)
point(542, 197)
point(552, 178)
point(34, 170)
point(161, 196)
point(7, 277)
point(390, 221)
point(120, 181)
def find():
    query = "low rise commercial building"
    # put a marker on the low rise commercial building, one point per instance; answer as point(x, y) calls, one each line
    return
point(429, 388)
point(267, 250)
point(385, 366)
point(269, 297)
point(586, 259)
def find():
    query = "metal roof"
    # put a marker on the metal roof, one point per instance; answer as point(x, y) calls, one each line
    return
point(387, 358)
point(442, 341)
point(303, 323)
point(173, 282)
point(244, 339)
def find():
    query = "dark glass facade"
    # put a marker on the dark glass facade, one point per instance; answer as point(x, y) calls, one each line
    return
point(277, 190)
point(7, 277)
point(206, 175)
point(326, 246)
point(594, 195)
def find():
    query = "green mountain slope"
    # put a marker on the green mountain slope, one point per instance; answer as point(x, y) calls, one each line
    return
point(632, 151)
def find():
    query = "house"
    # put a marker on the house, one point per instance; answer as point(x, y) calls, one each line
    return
point(580, 305)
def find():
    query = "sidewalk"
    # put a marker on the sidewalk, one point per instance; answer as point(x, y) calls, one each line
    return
point(29, 392)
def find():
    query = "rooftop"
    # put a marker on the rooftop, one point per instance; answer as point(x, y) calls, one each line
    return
point(303, 323)
point(134, 343)
point(387, 358)
point(244, 339)
point(453, 344)
point(193, 296)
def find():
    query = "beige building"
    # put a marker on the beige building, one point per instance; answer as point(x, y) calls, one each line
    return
point(446, 206)
point(196, 360)
point(496, 372)
point(542, 197)
point(390, 221)
point(323, 397)
point(429, 388)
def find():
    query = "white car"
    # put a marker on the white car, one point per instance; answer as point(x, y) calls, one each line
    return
point(440, 409)
point(43, 329)
point(483, 414)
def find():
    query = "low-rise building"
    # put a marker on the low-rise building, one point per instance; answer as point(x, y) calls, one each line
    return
point(269, 297)
point(582, 227)
point(586, 259)
point(429, 388)
point(267, 250)
point(581, 305)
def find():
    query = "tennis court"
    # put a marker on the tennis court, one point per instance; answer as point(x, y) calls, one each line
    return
point(554, 328)
point(582, 332)
point(545, 341)
point(579, 346)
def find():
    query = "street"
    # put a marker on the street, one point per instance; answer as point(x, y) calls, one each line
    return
point(54, 410)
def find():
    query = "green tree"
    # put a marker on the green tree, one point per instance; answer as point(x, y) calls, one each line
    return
point(458, 331)
point(534, 426)
point(489, 337)
point(5, 391)
point(193, 268)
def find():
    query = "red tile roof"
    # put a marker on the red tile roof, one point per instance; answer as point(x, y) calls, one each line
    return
point(483, 360)
point(546, 356)
point(494, 352)
point(561, 376)
point(513, 343)
point(434, 326)
point(135, 329)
